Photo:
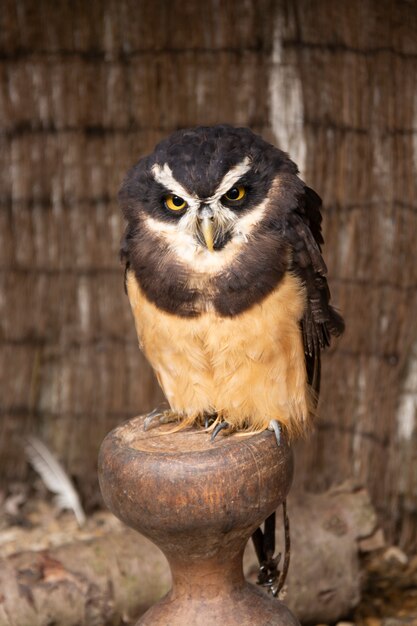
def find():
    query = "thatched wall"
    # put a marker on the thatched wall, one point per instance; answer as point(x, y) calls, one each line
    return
point(86, 88)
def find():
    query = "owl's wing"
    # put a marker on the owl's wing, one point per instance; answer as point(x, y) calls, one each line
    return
point(124, 252)
point(320, 319)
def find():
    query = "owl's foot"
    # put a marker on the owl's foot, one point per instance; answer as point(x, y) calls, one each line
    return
point(275, 427)
point(209, 419)
point(264, 543)
point(220, 426)
point(158, 417)
point(269, 575)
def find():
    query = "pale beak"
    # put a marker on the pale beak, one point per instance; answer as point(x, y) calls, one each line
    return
point(207, 227)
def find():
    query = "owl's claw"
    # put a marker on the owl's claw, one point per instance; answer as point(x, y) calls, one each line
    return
point(209, 419)
point(275, 427)
point(264, 543)
point(158, 417)
point(220, 426)
point(151, 417)
point(269, 575)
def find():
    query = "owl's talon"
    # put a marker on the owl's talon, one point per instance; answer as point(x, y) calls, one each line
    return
point(275, 427)
point(152, 419)
point(209, 419)
point(157, 418)
point(269, 574)
point(220, 426)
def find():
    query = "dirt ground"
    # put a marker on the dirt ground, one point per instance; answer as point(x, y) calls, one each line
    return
point(32, 522)
point(389, 595)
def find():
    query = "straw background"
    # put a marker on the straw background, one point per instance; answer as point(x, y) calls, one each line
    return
point(86, 88)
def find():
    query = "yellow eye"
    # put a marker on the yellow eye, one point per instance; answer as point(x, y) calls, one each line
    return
point(175, 203)
point(235, 193)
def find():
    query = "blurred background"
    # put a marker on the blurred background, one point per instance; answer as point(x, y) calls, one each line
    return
point(86, 89)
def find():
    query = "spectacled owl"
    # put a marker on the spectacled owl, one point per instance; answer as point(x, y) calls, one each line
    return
point(228, 289)
point(226, 279)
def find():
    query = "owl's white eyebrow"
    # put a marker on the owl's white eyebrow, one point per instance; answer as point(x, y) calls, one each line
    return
point(163, 175)
point(231, 177)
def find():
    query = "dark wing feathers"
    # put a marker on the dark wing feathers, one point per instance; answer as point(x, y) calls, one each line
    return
point(125, 247)
point(311, 207)
point(320, 320)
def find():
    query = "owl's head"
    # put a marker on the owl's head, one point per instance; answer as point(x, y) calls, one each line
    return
point(203, 191)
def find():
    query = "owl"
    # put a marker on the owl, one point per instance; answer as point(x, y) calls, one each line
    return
point(226, 280)
point(228, 289)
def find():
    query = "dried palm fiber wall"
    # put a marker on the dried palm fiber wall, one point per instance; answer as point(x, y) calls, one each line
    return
point(356, 63)
point(86, 88)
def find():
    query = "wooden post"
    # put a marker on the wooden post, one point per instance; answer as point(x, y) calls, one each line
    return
point(199, 502)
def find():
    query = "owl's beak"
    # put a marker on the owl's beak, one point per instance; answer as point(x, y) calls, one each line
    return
point(205, 217)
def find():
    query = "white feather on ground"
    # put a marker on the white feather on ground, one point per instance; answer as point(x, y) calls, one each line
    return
point(55, 477)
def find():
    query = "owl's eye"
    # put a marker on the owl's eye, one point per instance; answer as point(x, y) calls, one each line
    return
point(175, 203)
point(235, 193)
